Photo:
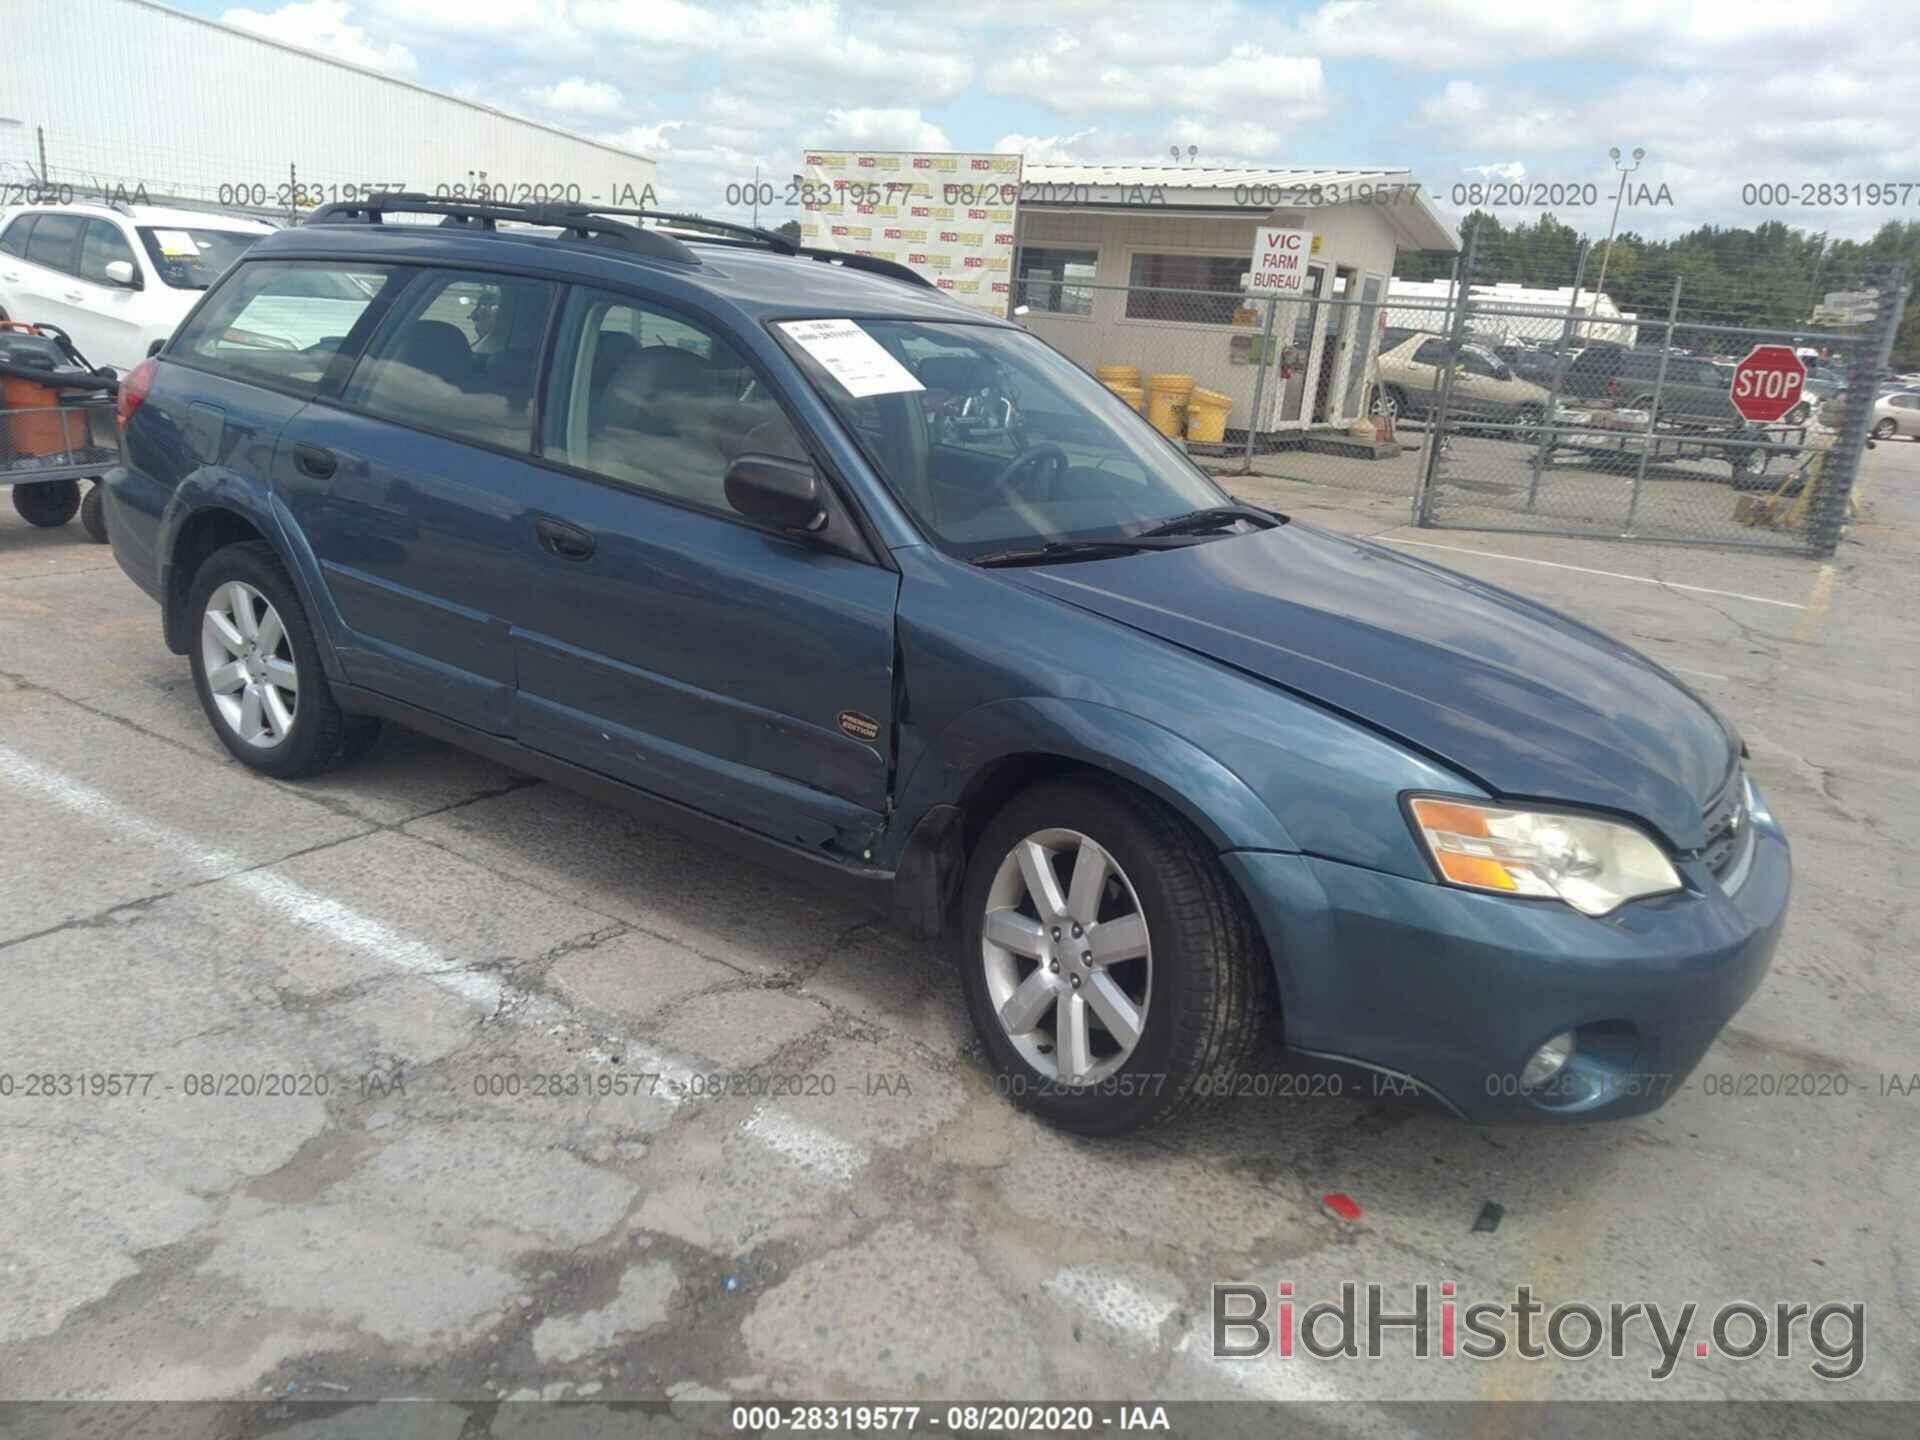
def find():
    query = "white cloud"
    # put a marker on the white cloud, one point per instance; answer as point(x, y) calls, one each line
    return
point(1511, 170)
point(578, 96)
point(1461, 34)
point(323, 25)
point(879, 130)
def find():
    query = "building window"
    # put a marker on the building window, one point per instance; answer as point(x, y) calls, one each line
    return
point(1160, 288)
point(1045, 276)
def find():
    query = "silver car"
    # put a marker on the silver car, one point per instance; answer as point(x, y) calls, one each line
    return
point(1897, 413)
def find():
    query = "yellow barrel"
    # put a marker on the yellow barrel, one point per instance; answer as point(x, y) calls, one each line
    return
point(1207, 416)
point(1132, 394)
point(1167, 402)
point(1111, 375)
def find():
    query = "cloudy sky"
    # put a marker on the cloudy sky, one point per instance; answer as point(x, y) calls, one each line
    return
point(1721, 93)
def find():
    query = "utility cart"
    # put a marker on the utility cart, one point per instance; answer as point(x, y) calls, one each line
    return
point(57, 427)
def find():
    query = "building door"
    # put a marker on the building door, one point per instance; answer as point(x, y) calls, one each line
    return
point(1297, 327)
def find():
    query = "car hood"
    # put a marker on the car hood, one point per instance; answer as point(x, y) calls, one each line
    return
point(1524, 700)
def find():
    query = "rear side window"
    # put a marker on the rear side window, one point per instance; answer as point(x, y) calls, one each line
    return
point(52, 242)
point(101, 243)
point(1431, 352)
point(459, 353)
point(14, 242)
point(280, 324)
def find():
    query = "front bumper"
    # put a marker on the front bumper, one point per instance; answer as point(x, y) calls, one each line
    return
point(1452, 990)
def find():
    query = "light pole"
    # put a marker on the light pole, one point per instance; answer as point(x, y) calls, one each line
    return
point(1614, 224)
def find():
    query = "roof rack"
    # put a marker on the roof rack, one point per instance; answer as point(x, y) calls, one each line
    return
point(484, 215)
point(591, 221)
point(730, 234)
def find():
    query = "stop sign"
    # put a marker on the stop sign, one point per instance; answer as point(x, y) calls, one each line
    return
point(1766, 385)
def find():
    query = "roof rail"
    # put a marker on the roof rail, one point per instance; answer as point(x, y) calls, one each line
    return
point(772, 239)
point(872, 264)
point(484, 215)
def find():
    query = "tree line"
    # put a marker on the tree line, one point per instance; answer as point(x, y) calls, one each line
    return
point(1770, 276)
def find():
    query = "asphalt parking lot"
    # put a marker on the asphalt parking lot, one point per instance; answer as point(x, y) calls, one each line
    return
point(414, 955)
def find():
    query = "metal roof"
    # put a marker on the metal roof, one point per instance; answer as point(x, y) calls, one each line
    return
point(1416, 224)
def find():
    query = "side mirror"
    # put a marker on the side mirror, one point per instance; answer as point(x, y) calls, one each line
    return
point(121, 272)
point(154, 347)
point(782, 493)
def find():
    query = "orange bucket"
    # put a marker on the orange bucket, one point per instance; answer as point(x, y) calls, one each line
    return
point(29, 434)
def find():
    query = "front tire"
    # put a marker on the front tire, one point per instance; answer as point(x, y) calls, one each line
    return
point(1883, 431)
point(256, 667)
point(1108, 963)
point(47, 503)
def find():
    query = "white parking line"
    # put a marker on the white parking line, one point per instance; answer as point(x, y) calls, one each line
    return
point(1586, 570)
point(807, 1146)
point(304, 908)
point(813, 1149)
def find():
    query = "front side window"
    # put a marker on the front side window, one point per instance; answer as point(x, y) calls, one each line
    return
point(1048, 277)
point(101, 243)
point(992, 439)
point(459, 352)
point(188, 257)
point(1431, 352)
point(656, 402)
point(1191, 289)
point(52, 242)
point(280, 324)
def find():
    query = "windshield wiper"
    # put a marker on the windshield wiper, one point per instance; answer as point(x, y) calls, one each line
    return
point(1215, 517)
point(1054, 550)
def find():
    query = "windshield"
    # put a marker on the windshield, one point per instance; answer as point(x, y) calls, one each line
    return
point(991, 438)
point(191, 258)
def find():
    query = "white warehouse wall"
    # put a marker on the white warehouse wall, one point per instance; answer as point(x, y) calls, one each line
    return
point(132, 92)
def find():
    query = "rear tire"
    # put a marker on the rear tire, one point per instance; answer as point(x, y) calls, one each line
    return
point(93, 514)
point(47, 503)
point(1883, 431)
point(1192, 993)
point(259, 641)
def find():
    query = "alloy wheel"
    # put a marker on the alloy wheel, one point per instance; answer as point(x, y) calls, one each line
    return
point(249, 665)
point(1068, 960)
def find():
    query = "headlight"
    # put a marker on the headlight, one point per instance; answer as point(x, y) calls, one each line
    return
point(1594, 865)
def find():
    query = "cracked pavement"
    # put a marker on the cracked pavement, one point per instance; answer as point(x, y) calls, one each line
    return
point(473, 1024)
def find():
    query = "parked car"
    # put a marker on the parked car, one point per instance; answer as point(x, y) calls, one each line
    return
point(699, 527)
point(115, 279)
point(1413, 364)
point(1896, 412)
point(1693, 392)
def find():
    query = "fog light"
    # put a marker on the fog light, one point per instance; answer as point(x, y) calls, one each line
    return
point(1547, 1061)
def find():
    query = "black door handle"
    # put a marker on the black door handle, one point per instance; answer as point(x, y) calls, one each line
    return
point(569, 542)
point(315, 460)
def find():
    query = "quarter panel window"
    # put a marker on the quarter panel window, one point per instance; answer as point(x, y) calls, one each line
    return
point(281, 324)
point(459, 353)
point(657, 402)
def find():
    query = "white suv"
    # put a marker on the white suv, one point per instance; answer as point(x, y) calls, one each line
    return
point(115, 279)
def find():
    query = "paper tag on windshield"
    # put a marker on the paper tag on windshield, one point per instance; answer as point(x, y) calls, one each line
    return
point(175, 242)
point(852, 356)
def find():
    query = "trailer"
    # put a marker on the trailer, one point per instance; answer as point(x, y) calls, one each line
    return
point(1613, 440)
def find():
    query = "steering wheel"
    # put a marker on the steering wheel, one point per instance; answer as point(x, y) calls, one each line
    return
point(1047, 461)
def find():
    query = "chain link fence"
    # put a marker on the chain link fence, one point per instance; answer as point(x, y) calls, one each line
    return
point(1624, 424)
point(1495, 405)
